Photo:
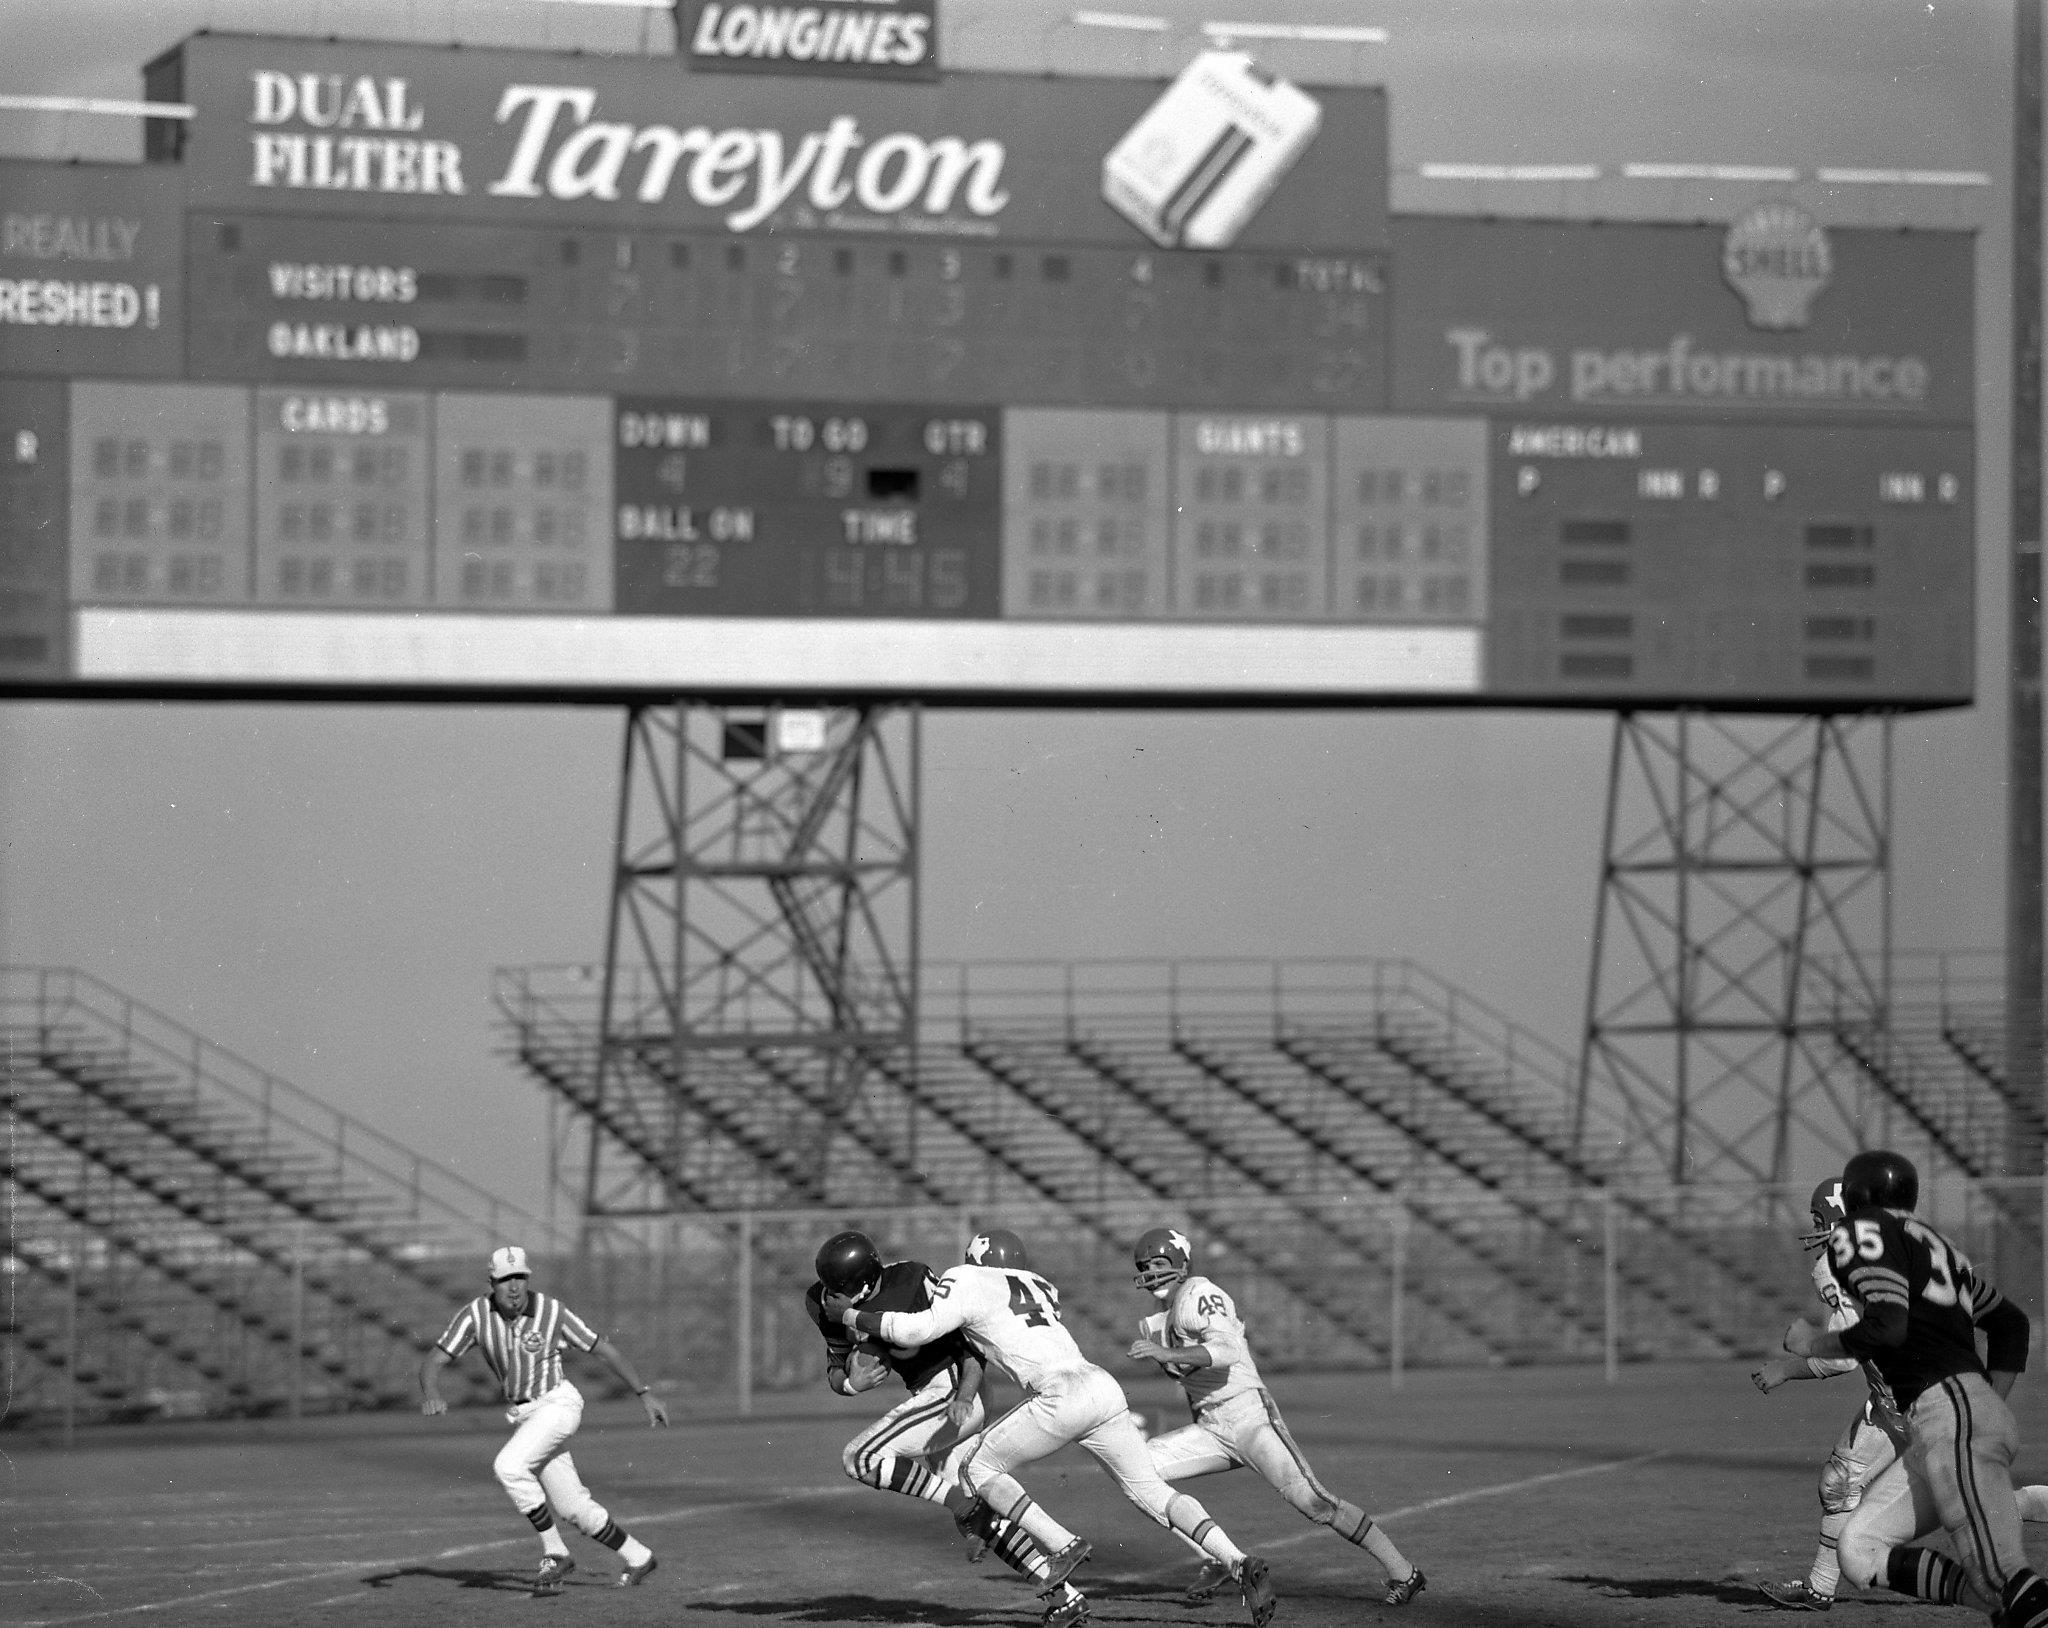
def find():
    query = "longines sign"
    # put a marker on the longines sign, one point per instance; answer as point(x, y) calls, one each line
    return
point(502, 135)
point(867, 39)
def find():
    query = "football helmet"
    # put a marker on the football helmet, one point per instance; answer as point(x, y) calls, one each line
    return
point(997, 1248)
point(1163, 1257)
point(848, 1264)
point(1881, 1178)
point(1826, 1209)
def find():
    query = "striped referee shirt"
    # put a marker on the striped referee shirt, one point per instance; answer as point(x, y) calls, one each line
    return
point(525, 1352)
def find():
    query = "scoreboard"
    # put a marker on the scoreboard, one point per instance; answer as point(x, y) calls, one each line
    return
point(427, 371)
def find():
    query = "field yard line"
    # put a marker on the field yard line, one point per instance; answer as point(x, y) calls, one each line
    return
point(342, 1568)
point(1496, 1491)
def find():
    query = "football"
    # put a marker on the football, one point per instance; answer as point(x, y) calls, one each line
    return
point(864, 1369)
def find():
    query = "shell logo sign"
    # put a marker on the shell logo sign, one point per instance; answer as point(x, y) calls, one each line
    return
point(1776, 257)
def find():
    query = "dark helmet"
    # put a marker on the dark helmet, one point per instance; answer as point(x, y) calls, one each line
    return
point(1163, 1257)
point(848, 1264)
point(1826, 1209)
point(997, 1248)
point(1881, 1178)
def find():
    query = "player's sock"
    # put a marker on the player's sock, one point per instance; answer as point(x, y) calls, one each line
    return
point(905, 1475)
point(1010, 1544)
point(1825, 1576)
point(1925, 1575)
point(615, 1537)
point(1007, 1498)
point(2025, 1600)
point(1186, 1516)
point(543, 1519)
point(1353, 1525)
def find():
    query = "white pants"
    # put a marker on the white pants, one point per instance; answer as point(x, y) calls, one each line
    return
point(1247, 1429)
point(1084, 1405)
point(534, 1467)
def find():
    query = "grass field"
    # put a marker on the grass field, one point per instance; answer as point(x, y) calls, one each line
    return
point(1534, 1496)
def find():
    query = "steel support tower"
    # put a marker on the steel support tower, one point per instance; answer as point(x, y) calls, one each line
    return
point(763, 901)
point(1744, 906)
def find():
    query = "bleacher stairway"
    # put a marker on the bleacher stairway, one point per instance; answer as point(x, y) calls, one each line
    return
point(185, 1233)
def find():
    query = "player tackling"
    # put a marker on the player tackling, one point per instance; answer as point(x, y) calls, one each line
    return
point(1011, 1315)
point(892, 1454)
point(1198, 1338)
point(522, 1334)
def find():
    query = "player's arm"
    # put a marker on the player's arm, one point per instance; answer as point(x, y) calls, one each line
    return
point(905, 1328)
point(615, 1359)
point(431, 1400)
point(966, 1392)
point(2006, 1332)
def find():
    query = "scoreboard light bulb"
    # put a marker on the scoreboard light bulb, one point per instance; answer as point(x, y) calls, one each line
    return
point(1527, 479)
point(1774, 485)
point(25, 447)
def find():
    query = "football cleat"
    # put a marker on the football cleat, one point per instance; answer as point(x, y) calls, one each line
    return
point(997, 1248)
point(1255, 1578)
point(1886, 1180)
point(1213, 1575)
point(1401, 1591)
point(1163, 1257)
point(1064, 1564)
point(1826, 1209)
point(1797, 1595)
point(1066, 1613)
point(553, 1568)
point(848, 1264)
point(973, 1523)
point(633, 1576)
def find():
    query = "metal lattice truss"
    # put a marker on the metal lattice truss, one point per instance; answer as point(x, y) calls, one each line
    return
point(761, 941)
point(1743, 906)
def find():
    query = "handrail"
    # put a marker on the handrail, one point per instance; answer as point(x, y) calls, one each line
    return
point(432, 1190)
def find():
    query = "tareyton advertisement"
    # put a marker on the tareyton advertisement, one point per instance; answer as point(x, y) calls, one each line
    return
point(511, 137)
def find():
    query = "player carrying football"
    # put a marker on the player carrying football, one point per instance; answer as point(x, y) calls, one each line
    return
point(1198, 1338)
point(1012, 1316)
point(1920, 1303)
point(891, 1455)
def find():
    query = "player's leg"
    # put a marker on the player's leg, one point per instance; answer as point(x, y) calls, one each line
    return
point(1861, 1454)
point(1965, 1439)
point(567, 1493)
point(1181, 1455)
point(888, 1455)
point(541, 1430)
point(1025, 1434)
point(1121, 1450)
point(1261, 1435)
point(1896, 1508)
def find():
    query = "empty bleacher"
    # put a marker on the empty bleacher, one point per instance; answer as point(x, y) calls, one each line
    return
point(187, 1234)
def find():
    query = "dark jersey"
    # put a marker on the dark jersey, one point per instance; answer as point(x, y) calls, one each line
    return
point(904, 1286)
point(1921, 1302)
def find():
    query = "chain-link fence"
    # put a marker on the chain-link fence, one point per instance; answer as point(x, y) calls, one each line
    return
point(711, 1306)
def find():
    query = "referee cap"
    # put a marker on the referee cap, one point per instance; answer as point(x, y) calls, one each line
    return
point(509, 1262)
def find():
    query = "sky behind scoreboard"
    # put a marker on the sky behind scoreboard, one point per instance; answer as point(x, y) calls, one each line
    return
point(414, 369)
point(326, 887)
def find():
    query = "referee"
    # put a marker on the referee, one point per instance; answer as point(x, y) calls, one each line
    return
point(521, 1333)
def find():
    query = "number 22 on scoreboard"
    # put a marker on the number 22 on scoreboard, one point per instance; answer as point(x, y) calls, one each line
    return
point(691, 565)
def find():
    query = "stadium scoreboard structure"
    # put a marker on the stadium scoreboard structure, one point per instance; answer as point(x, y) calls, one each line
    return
point(414, 370)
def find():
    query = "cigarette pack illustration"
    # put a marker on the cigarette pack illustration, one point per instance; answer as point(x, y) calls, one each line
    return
point(1195, 169)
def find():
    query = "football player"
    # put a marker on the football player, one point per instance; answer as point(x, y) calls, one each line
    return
point(1012, 1316)
point(1920, 1303)
point(1869, 1441)
point(1198, 1338)
point(891, 1454)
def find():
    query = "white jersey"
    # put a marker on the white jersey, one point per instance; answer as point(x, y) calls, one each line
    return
point(1200, 1313)
point(1840, 1315)
point(1011, 1315)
